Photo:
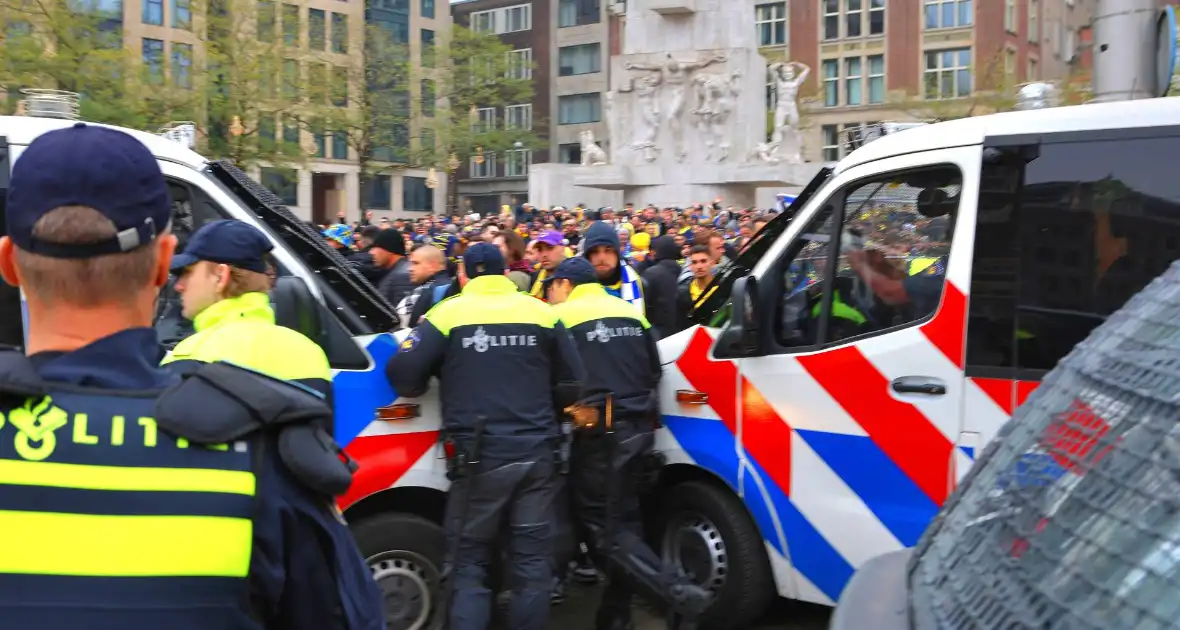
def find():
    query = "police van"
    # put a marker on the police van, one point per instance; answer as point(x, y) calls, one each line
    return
point(834, 387)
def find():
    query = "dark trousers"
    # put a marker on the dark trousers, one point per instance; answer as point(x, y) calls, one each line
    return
point(519, 492)
point(592, 472)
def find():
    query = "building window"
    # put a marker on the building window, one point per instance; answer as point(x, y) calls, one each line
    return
point(340, 33)
point(266, 20)
point(483, 21)
point(569, 153)
point(1010, 16)
point(291, 24)
point(578, 12)
point(771, 20)
point(340, 86)
point(582, 59)
point(1009, 65)
point(290, 87)
point(831, 19)
point(518, 116)
point(876, 17)
point(427, 53)
point(853, 17)
point(317, 29)
point(876, 79)
point(182, 64)
point(153, 12)
point(520, 63)
point(1034, 19)
point(321, 139)
point(317, 83)
point(416, 197)
point(182, 15)
point(831, 83)
point(266, 132)
point(518, 18)
point(854, 80)
point(283, 182)
point(948, 73)
point(1032, 70)
point(831, 150)
point(427, 88)
point(426, 9)
point(485, 170)
point(948, 13)
point(291, 135)
point(518, 162)
point(340, 145)
point(579, 108)
point(153, 59)
point(485, 120)
point(377, 191)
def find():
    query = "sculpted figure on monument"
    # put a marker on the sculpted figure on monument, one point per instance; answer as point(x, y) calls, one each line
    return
point(788, 78)
point(592, 154)
point(676, 74)
point(647, 91)
point(715, 99)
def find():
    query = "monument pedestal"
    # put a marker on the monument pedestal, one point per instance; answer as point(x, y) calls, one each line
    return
point(673, 186)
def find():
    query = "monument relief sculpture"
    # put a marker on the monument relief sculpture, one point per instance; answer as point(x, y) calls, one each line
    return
point(715, 101)
point(786, 84)
point(592, 154)
point(647, 91)
point(675, 74)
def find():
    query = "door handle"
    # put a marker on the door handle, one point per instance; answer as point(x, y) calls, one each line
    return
point(919, 385)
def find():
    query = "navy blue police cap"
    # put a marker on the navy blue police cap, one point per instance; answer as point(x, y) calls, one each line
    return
point(96, 167)
point(227, 242)
point(483, 259)
point(577, 270)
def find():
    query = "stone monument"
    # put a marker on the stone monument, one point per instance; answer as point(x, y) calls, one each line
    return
point(686, 115)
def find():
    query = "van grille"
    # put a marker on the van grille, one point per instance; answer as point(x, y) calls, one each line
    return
point(1071, 517)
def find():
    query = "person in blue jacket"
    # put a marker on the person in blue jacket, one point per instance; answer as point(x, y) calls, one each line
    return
point(131, 496)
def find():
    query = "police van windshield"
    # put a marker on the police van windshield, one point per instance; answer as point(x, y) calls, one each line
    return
point(708, 311)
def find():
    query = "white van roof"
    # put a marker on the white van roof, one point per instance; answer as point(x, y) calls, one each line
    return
point(1155, 112)
point(24, 129)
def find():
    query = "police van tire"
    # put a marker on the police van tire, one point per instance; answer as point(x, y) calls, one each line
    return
point(412, 547)
point(748, 588)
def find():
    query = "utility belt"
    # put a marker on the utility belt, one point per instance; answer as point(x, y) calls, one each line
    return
point(598, 419)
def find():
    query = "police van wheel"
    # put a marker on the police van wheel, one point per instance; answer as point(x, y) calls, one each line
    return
point(405, 553)
point(708, 535)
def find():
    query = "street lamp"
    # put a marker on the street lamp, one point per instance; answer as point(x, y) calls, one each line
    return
point(478, 159)
point(518, 145)
point(453, 163)
point(431, 179)
point(235, 127)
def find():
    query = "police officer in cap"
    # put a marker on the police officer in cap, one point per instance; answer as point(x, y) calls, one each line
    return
point(505, 366)
point(613, 442)
point(131, 498)
point(223, 278)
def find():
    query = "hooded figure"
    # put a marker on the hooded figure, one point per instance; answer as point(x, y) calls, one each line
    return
point(601, 247)
point(661, 277)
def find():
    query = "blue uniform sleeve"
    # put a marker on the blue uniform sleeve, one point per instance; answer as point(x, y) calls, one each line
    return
point(417, 359)
point(306, 572)
point(568, 371)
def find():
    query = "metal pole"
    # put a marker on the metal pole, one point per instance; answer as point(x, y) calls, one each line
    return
point(1124, 50)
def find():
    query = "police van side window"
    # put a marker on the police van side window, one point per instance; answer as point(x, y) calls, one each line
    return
point(1086, 223)
point(11, 326)
point(888, 268)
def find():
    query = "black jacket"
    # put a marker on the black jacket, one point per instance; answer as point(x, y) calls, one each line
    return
point(499, 355)
point(661, 290)
point(396, 284)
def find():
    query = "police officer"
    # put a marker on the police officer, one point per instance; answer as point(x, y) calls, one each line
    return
point(505, 366)
point(223, 282)
point(128, 499)
point(613, 442)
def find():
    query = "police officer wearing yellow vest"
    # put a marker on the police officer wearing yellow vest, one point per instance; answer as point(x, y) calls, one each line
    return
point(614, 436)
point(129, 497)
point(223, 283)
point(505, 366)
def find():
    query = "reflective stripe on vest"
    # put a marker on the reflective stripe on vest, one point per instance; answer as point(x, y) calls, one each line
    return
point(90, 488)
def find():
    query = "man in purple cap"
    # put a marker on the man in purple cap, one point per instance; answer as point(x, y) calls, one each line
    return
point(133, 498)
point(550, 246)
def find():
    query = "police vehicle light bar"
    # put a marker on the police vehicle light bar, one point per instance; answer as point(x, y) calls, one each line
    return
point(39, 103)
point(184, 132)
point(857, 137)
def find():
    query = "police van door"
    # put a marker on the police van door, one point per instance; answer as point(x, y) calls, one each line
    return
point(851, 413)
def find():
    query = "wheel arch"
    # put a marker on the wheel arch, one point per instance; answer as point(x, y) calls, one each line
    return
point(428, 503)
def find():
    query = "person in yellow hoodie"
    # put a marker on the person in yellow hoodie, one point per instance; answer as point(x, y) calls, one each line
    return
point(223, 280)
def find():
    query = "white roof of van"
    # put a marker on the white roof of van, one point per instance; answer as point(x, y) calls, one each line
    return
point(1155, 112)
point(24, 129)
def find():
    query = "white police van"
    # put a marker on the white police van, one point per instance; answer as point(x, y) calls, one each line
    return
point(884, 328)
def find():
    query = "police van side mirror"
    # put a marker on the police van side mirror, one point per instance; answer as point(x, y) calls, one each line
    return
point(296, 308)
point(741, 336)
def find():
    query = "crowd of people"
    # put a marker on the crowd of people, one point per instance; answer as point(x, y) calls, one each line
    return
point(663, 257)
